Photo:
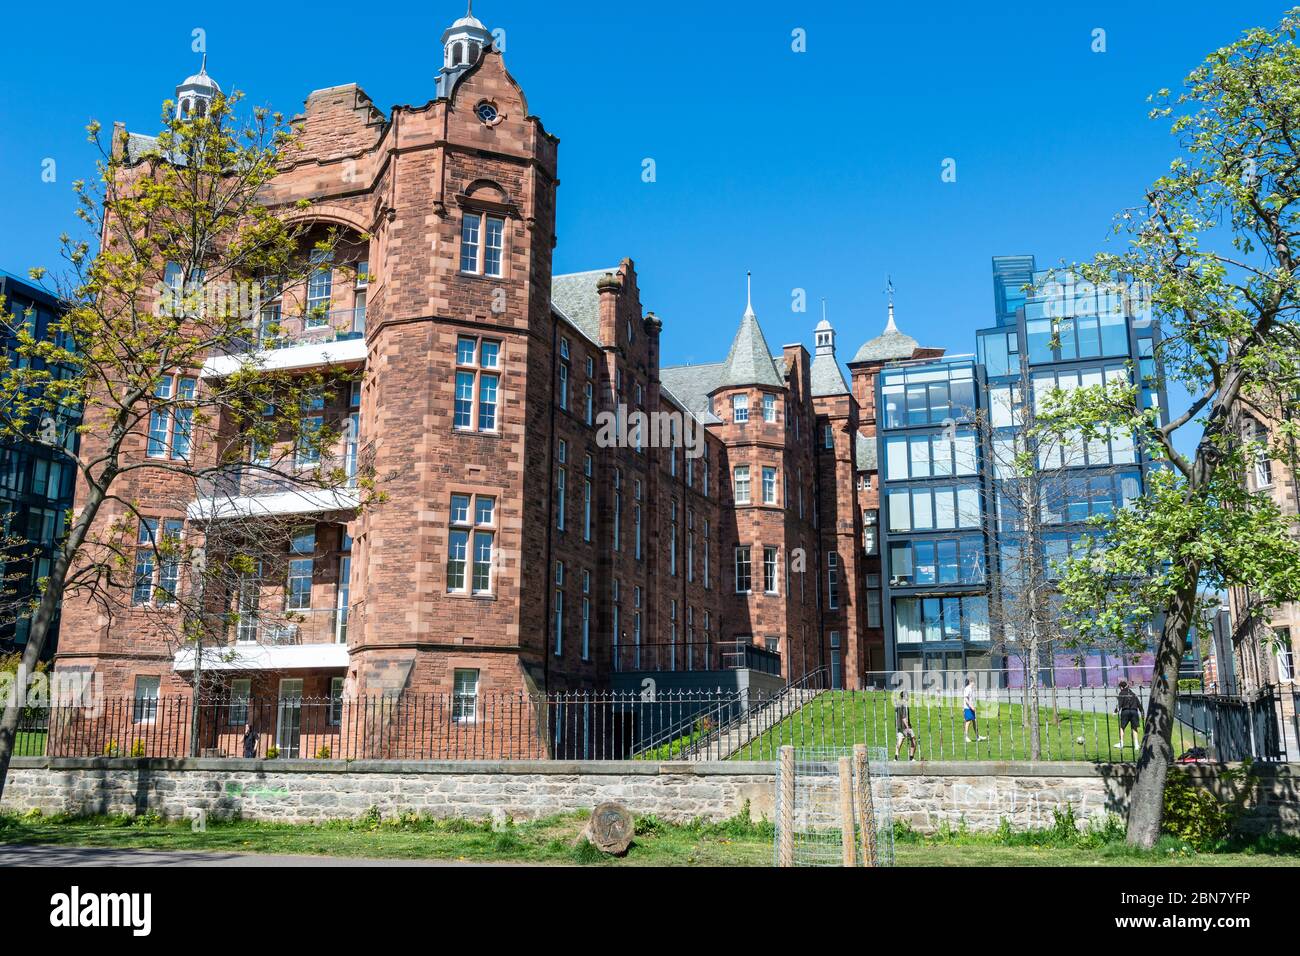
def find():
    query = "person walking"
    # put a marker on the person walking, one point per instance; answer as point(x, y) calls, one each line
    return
point(250, 742)
point(968, 711)
point(903, 724)
point(1129, 708)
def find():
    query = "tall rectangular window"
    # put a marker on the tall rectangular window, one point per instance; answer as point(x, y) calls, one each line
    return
point(769, 485)
point(586, 615)
point(672, 539)
point(873, 600)
point(320, 289)
point(146, 700)
point(482, 244)
point(343, 600)
point(183, 417)
point(477, 379)
point(142, 588)
point(586, 497)
point(743, 581)
point(170, 570)
point(690, 544)
point(559, 608)
point(618, 508)
point(769, 407)
point(307, 450)
point(741, 484)
point(464, 695)
point(469, 242)
point(832, 580)
point(705, 568)
point(298, 591)
point(160, 420)
point(495, 246)
point(769, 570)
point(561, 453)
point(562, 385)
point(241, 689)
point(470, 537)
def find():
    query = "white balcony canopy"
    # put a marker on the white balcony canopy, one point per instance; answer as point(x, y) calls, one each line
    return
point(299, 501)
point(260, 657)
point(309, 355)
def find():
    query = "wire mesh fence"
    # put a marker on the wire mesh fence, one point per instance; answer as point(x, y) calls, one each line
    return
point(833, 807)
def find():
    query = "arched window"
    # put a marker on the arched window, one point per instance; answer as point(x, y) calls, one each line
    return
point(473, 53)
point(458, 54)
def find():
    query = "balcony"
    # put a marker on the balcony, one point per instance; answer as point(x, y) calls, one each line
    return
point(298, 342)
point(305, 639)
point(282, 488)
point(682, 657)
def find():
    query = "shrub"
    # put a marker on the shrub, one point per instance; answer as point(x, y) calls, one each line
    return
point(137, 749)
point(647, 826)
point(272, 752)
point(1194, 815)
point(323, 753)
point(111, 749)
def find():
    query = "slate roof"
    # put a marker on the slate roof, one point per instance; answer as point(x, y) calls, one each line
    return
point(827, 376)
point(137, 144)
point(890, 344)
point(690, 385)
point(575, 297)
point(750, 360)
point(864, 453)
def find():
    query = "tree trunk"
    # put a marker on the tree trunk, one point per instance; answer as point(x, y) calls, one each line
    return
point(1031, 686)
point(44, 617)
point(1146, 801)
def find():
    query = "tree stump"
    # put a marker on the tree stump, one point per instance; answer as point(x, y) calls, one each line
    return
point(610, 828)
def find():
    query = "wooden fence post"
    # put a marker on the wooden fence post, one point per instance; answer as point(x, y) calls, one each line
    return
point(785, 846)
point(866, 808)
point(848, 836)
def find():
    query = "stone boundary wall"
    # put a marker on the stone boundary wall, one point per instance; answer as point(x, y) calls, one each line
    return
point(924, 795)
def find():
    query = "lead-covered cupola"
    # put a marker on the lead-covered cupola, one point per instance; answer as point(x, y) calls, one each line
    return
point(462, 44)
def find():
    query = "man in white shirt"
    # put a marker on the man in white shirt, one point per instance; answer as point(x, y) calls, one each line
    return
point(968, 711)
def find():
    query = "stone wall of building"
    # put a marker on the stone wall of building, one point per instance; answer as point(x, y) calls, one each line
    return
point(925, 796)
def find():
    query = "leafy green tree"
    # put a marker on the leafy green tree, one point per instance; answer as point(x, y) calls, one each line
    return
point(183, 258)
point(1214, 246)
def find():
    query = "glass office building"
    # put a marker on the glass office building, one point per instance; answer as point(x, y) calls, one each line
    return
point(933, 492)
point(956, 543)
point(37, 476)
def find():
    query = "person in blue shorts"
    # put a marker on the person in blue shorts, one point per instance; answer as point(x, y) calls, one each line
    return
point(968, 712)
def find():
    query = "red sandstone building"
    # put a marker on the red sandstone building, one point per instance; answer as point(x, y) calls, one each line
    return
point(515, 550)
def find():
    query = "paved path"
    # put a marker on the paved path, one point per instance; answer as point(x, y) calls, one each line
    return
point(25, 855)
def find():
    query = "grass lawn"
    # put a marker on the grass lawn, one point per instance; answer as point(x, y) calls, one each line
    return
point(555, 841)
point(844, 718)
point(29, 743)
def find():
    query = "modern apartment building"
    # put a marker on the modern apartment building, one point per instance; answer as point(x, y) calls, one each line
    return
point(957, 540)
point(36, 476)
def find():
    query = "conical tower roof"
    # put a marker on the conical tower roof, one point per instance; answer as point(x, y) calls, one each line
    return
point(750, 361)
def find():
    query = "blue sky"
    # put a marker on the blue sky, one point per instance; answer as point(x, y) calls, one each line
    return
point(817, 170)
